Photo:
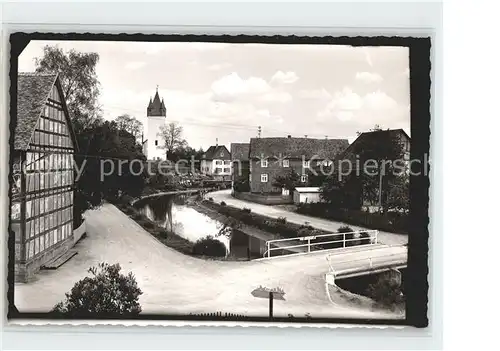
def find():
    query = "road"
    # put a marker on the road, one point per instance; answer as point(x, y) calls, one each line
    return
point(174, 283)
point(318, 223)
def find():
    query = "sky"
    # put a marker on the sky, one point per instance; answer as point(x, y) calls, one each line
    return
point(224, 92)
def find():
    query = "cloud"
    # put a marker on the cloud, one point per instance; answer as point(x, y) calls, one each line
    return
point(368, 57)
point(368, 77)
point(281, 77)
point(218, 66)
point(232, 87)
point(315, 94)
point(133, 65)
point(374, 107)
point(277, 96)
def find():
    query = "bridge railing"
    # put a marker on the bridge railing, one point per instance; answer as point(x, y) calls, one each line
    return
point(371, 262)
point(307, 244)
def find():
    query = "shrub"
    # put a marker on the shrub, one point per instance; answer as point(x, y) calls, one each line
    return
point(223, 203)
point(246, 210)
point(211, 199)
point(209, 246)
point(281, 220)
point(365, 238)
point(107, 291)
point(386, 291)
point(147, 224)
point(349, 236)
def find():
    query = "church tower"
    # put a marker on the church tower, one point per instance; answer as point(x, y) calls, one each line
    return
point(156, 116)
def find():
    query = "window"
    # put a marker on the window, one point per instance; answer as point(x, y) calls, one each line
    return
point(306, 164)
point(227, 170)
point(264, 164)
point(156, 142)
point(263, 178)
point(218, 162)
point(303, 178)
point(286, 163)
point(227, 162)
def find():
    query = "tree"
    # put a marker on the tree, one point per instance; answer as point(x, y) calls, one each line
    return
point(130, 124)
point(341, 192)
point(107, 165)
point(171, 135)
point(107, 291)
point(77, 72)
point(289, 180)
point(398, 195)
point(379, 151)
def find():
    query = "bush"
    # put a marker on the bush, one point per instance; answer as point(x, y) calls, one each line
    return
point(386, 291)
point(281, 220)
point(393, 222)
point(246, 210)
point(107, 291)
point(365, 238)
point(349, 236)
point(223, 203)
point(211, 199)
point(209, 246)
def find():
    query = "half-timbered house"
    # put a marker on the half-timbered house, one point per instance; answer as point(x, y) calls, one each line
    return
point(42, 174)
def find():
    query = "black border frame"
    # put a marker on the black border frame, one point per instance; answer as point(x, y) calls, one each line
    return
point(420, 88)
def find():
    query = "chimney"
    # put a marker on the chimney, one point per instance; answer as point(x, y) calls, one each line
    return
point(289, 136)
point(305, 136)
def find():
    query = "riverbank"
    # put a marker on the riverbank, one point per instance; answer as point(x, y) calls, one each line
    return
point(171, 238)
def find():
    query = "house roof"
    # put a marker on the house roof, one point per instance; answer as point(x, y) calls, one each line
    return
point(372, 136)
point(240, 151)
point(297, 147)
point(305, 189)
point(32, 92)
point(213, 150)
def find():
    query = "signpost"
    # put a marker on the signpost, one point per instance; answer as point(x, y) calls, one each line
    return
point(271, 294)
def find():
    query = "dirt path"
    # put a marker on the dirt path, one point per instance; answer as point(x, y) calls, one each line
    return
point(178, 284)
point(275, 212)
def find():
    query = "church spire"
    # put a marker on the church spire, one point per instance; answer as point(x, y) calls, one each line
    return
point(156, 106)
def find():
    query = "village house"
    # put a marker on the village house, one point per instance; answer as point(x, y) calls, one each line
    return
point(42, 175)
point(216, 162)
point(364, 144)
point(240, 165)
point(271, 157)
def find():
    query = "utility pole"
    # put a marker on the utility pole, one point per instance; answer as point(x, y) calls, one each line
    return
point(259, 132)
point(271, 305)
point(380, 188)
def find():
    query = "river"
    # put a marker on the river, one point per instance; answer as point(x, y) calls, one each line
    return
point(193, 225)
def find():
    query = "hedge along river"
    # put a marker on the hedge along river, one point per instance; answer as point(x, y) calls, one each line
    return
point(173, 212)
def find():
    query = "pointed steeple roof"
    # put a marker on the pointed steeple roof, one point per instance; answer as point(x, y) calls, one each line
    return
point(157, 106)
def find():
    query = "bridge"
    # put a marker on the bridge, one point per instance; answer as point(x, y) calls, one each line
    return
point(347, 255)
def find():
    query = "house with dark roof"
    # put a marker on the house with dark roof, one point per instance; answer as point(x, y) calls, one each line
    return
point(42, 174)
point(369, 144)
point(271, 157)
point(216, 161)
point(240, 164)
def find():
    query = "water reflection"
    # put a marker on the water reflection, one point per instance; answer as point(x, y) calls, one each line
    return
point(171, 213)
